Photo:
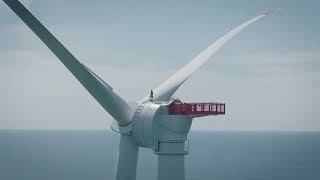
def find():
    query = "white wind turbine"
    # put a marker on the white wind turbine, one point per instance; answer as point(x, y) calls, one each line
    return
point(148, 123)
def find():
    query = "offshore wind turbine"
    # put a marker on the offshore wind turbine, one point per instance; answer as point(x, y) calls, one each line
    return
point(158, 121)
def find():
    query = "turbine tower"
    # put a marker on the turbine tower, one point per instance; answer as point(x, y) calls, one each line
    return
point(158, 121)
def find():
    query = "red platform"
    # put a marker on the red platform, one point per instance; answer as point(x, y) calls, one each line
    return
point(196, 109)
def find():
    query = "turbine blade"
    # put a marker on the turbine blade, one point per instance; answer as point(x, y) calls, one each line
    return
point(165, 90)
point(127, 159)
point(103, 93)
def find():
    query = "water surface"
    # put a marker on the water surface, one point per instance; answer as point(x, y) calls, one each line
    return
point(92, 154)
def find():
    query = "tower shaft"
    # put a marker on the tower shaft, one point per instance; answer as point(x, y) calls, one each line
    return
point(171, 160)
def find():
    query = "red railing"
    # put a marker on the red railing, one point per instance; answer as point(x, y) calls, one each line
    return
point(196, 109)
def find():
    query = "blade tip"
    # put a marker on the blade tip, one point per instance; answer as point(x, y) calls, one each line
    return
point(271, 12)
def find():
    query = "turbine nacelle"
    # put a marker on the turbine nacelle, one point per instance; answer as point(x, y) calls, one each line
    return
point(152, 124)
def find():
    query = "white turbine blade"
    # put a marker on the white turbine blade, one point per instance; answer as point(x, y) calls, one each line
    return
point(127, 159)
point(103, 93)
point(165, 90)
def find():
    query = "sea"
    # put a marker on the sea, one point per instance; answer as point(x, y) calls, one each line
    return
point(216, 155)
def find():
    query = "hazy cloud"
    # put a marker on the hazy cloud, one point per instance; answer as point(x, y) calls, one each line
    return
point(269, 82)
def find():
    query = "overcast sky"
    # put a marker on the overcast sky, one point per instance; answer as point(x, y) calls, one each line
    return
point(269, 75)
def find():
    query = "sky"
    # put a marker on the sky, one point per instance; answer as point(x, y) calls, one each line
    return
point(268, 76)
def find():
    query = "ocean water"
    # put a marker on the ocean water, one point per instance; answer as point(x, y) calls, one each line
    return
point(92, 154)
